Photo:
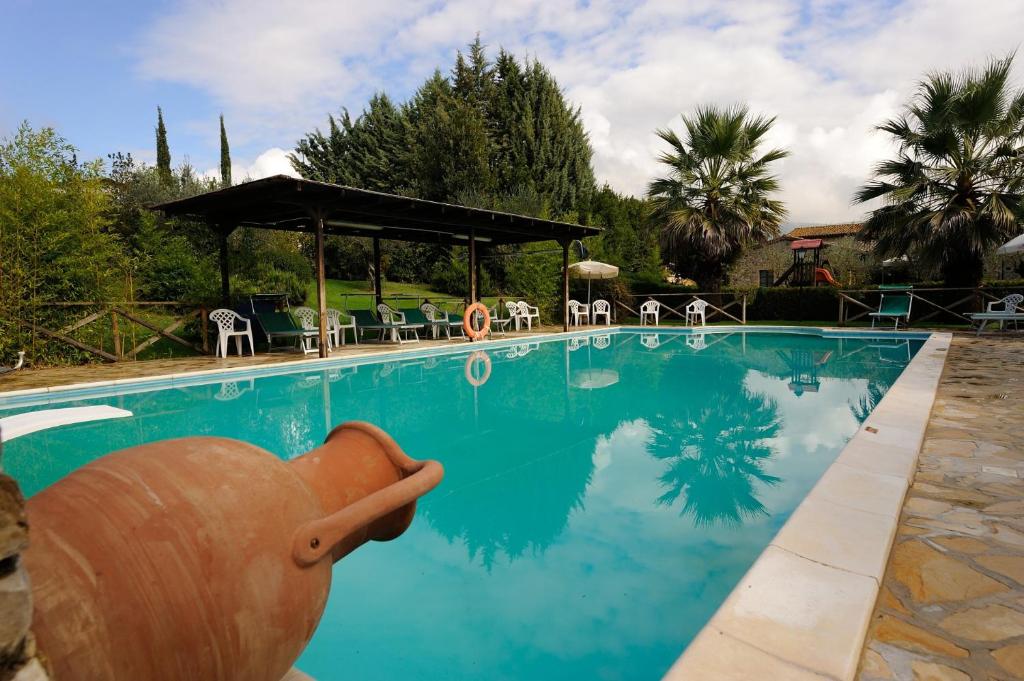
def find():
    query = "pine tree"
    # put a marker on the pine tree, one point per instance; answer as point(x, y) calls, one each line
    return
point(225, 156)
point(163, 152)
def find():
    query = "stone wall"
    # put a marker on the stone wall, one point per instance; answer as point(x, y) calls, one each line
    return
point(19, 658)
point(852, 262)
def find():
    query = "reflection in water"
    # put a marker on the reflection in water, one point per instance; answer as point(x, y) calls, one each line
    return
point(804, 366)
point(599, 502)
point(716, 454)
point(867, 402)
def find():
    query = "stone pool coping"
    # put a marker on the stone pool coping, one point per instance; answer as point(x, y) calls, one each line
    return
point(802, 610)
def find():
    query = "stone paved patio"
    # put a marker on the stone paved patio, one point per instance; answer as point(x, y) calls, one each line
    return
point(951, 606)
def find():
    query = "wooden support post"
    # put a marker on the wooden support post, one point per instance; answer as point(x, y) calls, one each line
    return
point(117, 335)
point(479, 278)
point(744, 308)
point(842, 310)
point(565, 285)
point(321, 283)
point(472, 267)
point(225, 281)
point(378, 296)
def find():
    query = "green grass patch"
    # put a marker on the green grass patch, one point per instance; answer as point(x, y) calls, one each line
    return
point(358, 295)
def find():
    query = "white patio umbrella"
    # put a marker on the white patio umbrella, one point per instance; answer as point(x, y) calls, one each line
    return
point(590, 270)
point(1014, 245)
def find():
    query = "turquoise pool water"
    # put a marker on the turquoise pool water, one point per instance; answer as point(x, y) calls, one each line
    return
point(602, 494)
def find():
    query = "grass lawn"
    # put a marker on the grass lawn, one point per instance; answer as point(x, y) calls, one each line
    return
point(358, 295)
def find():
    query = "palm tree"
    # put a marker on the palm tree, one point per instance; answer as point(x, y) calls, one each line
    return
point(954, 189)
point(715, 197)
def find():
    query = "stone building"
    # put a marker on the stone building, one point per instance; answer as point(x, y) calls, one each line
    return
point(851, 262)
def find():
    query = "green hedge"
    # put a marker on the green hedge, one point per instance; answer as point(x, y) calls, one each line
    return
point(795, 304)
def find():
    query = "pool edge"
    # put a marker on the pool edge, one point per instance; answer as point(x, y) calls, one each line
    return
point(11, 399)
point(803, 608)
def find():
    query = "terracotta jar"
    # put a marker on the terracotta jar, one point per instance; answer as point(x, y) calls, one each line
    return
point(207, 558)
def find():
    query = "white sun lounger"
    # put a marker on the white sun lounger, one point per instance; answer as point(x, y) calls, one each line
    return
point(1010, 304)
point(33, 421)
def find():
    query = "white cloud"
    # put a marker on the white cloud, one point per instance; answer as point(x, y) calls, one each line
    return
point(829, 71)
point(271, 162)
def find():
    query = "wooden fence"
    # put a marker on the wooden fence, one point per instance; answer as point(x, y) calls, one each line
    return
point(118, 314)
point(737, 302)
point(935, 301)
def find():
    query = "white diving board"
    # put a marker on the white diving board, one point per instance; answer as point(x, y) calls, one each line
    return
point(33, 421)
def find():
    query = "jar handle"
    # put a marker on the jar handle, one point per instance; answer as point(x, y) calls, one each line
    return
point(317, 538)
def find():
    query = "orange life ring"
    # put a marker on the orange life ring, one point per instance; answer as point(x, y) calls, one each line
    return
point(467, 321)
point(471, 377)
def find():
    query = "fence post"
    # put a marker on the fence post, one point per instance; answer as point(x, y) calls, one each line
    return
point(842, 310)
point(116, 333)
point(744, 308)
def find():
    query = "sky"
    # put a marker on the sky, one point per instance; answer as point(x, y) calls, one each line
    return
point(828, 71)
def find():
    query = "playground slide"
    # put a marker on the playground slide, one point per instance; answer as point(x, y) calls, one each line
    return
point(821, 274)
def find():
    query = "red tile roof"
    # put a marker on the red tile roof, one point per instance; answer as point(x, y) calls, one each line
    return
point(820, 231)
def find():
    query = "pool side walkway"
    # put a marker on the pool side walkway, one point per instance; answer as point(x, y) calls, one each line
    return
point(27, 379)
point(951, 606)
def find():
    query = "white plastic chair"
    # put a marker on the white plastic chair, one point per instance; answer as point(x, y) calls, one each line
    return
point(225, 320)
point(578, 311)
point(527, 313)
point(649, 310)
point(396, 319)
point(695, 311)
point(336, 330)
point(601, 308)
point(308, 319)
point(513, 312)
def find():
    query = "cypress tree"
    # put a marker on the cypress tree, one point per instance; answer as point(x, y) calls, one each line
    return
point(163, 152)
point(225, 156)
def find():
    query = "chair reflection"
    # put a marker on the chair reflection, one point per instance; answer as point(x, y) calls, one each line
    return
point(230, 390)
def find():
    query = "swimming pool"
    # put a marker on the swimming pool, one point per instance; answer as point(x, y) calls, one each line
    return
point(603, 493)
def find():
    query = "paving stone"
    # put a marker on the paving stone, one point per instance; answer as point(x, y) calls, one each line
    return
point(930, 671)
point(1011, 566)
point(1015, 508)
point(874, 666)
point(887, 599)
point(902, 634)
point(955, 626)
point(949, 447)
point(933, 577)
point(926, 507)
point(1011, 658)
point(990, 623)
point(967, 545)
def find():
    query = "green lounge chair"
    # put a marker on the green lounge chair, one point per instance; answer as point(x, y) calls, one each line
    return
point(280, 325)
point(365, 321)
point(894, 305)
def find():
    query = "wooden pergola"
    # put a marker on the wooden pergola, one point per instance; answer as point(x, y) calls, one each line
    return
point(296, 205)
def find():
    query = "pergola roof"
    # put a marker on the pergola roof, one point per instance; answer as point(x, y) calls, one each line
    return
point(288, 203)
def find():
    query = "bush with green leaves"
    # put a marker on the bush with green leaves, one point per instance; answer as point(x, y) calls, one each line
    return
point(55, 240)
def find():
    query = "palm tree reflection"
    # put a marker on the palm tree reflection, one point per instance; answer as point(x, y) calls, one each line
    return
point(717, 454)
